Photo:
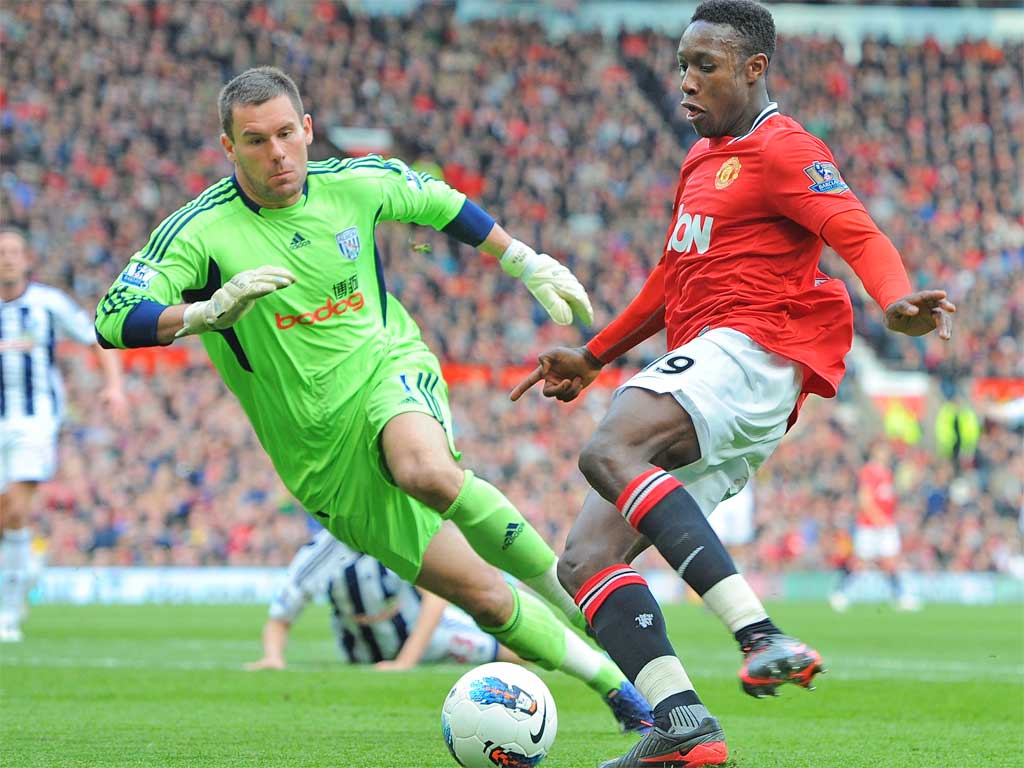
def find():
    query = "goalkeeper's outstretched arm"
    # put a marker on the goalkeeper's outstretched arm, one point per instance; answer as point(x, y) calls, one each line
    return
point(412, 196)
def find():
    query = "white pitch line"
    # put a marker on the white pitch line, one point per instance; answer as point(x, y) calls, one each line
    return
point(840, 668)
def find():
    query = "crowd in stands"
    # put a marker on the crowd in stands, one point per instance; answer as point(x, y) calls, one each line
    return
point(108, 123)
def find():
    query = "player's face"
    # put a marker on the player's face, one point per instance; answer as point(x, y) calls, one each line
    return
point(14, 260)
point(715, 79)
point(269, 150)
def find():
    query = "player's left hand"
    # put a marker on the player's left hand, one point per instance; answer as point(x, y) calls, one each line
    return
point(920, 313)
point(393, 665)
point(550, 282)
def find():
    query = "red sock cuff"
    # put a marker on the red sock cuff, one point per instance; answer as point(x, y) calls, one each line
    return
point(644, 492)
point(601, 585)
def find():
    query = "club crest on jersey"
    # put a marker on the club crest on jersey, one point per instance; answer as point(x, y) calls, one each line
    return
point(138, 275)
point(728, 173)
point(826, 178)
point(348, 243)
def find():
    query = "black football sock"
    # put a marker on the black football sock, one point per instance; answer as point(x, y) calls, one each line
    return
point(659, 507)
point(629, 624)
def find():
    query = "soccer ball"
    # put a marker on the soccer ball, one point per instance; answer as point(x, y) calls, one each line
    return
point(499, 715)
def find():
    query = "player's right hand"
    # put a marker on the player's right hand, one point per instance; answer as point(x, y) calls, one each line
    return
point(233, 300)
point(565, 371)
point(265, 663)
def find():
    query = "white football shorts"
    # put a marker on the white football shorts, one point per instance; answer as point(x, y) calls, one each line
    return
point(459, 640)
point(28, 450)
point(739, 396)
point(876, 542)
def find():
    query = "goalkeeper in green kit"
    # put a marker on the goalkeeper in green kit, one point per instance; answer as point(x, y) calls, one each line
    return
point(276, 269)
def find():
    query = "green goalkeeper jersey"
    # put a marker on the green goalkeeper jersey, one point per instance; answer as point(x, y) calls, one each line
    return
point(299, 359)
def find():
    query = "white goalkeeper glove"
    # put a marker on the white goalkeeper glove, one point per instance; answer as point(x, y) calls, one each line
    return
point(550, 282)
point(233, 300)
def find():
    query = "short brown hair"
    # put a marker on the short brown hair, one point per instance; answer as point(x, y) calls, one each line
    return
point(255, 86)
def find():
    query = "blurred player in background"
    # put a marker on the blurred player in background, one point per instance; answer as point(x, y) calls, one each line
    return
point(753, 328)
point(341, 391)
point(377, 617)
point(33, 317)
point(876, 538)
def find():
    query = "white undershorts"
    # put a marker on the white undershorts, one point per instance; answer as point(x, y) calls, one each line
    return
point(876, 542)
point(28, 450)
point(459, 640)
point(739, 396)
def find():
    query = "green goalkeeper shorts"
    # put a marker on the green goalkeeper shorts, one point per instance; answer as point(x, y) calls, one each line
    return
point(369, 512)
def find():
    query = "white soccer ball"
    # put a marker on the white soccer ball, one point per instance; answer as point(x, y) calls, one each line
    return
point(499, 715)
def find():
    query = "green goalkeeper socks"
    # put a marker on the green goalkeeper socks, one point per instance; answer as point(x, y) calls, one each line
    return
point(532, 632)
point(535, 634)
point(502, 536)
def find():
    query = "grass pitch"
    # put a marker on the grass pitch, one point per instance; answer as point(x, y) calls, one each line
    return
point(161, 686)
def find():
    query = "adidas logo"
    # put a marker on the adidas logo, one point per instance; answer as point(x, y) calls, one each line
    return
point(511, 532)
point(298, 241)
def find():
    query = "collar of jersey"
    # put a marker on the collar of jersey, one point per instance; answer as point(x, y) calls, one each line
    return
point(769, 111)
point(271, 213)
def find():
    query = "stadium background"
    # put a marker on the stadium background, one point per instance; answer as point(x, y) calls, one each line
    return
point(560, 119)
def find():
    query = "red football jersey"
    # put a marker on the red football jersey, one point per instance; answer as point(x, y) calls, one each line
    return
point(743, 247)
point(875, 481)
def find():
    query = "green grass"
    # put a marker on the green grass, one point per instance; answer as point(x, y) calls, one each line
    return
point(160, 686)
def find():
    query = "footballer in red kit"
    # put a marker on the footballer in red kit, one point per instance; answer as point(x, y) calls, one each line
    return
point(755, 260)
point(876, 535)
point(878, 499)
point(753, 328)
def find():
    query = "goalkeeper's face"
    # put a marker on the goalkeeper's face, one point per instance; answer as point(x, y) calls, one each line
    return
point(268, 147)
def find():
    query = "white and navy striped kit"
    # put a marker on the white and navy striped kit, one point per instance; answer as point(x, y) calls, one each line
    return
point(358, 587)
point(309, 573)
point(30, 327)
point(365, 589)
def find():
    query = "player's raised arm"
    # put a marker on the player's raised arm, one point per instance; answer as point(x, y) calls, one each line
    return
point(877, 263)
point(411, 196)
point(567, 371)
